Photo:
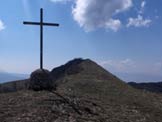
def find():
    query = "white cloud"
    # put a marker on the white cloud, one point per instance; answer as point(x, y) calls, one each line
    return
point(138, 22)
point(2, 27)
point(125, 65)
point(113, 24)
point(60, 1)
point(93, 14)
point(143, 4)
point(134, 70)
point(157, 17)
point(131, 66)
point(108, 62)
point(127, 62)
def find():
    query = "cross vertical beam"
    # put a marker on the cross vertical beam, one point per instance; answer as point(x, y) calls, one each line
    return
point(41, 24)
point(41, 38)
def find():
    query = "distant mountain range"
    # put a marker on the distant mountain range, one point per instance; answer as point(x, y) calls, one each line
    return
point(152, 87)
point(138, 77)
point(5, 77)
point(142, 81)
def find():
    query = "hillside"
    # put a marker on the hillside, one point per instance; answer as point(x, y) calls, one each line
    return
point(85, 92)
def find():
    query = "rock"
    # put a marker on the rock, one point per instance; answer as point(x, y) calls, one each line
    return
point(40, 80)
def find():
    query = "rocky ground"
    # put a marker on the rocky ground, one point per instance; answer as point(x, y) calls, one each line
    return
point(45, 106)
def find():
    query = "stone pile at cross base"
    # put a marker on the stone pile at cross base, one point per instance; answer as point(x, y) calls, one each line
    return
point(41, 80)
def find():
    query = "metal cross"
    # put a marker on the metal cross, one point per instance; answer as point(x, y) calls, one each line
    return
point(41, 24)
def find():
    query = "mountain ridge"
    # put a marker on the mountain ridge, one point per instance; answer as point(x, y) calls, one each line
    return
point(151, 86)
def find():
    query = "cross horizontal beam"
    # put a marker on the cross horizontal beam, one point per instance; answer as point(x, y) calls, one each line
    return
point(38, 23)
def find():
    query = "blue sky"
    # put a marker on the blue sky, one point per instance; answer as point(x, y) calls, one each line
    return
point(124, 36)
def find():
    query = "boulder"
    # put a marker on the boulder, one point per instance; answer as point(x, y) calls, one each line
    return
point(41, 80)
